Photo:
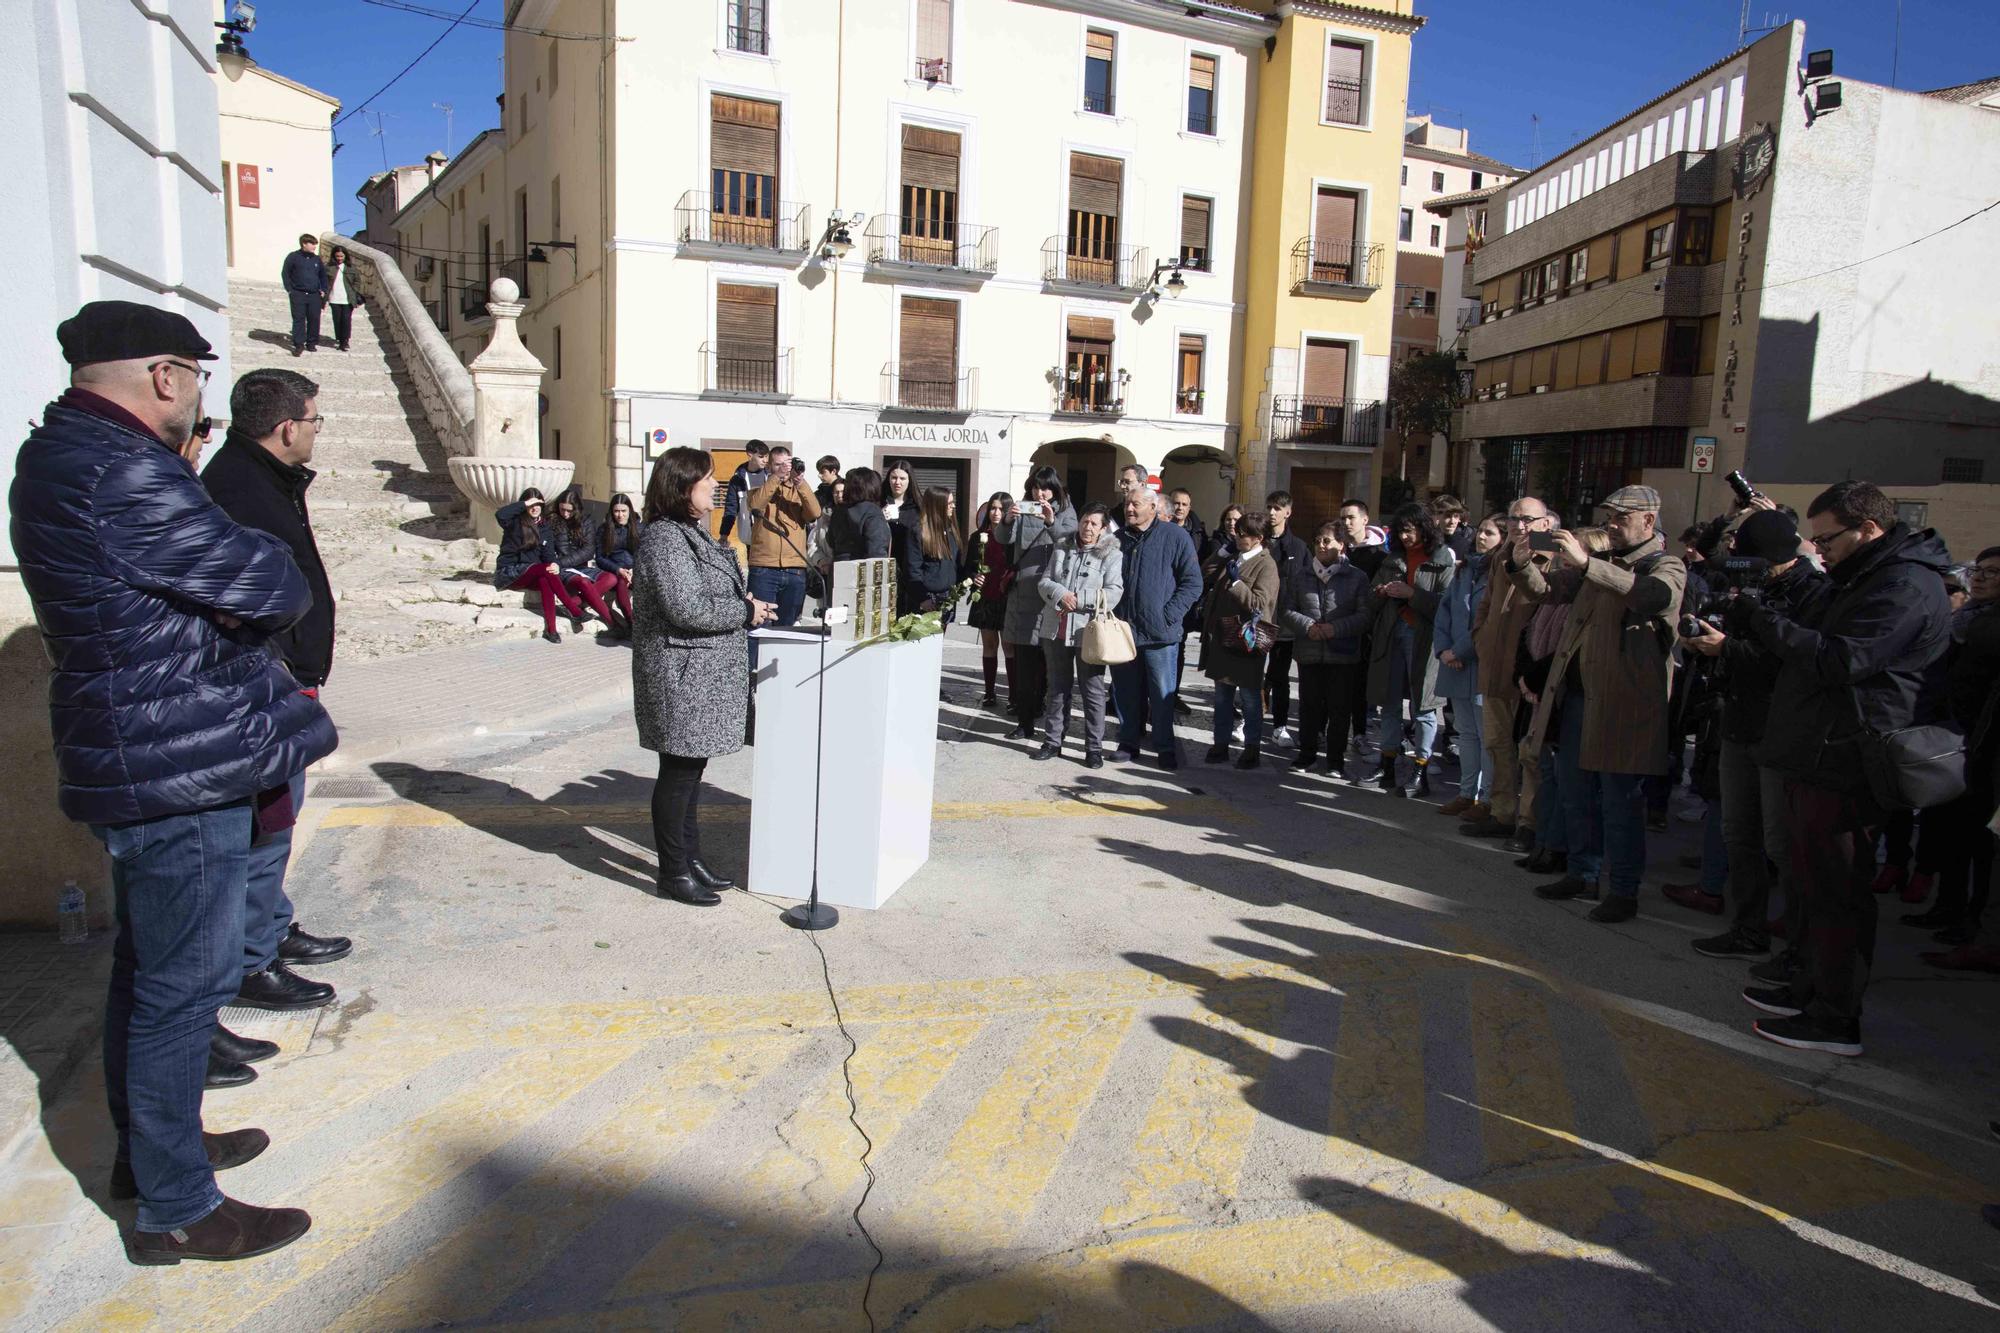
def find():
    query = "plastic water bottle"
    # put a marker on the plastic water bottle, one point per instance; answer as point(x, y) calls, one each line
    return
point(72, 914)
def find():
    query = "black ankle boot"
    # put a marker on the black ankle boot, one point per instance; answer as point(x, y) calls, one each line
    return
point(699, 872)
point(1423, 783)
point(1250, 756)
point(1386, 779)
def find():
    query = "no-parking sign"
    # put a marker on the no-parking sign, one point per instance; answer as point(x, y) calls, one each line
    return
point(1703, 457)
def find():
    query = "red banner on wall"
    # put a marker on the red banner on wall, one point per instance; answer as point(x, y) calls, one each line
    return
point(247, 186)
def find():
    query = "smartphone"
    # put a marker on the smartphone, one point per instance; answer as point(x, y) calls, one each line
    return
point(1542, 541)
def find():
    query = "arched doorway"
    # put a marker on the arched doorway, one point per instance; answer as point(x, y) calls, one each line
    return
point(1088, 468)
point(1198, 470)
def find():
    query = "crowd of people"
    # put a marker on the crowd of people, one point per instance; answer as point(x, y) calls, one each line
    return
point(1824, 691)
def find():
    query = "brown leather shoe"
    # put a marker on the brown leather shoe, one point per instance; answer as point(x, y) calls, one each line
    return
point(1694, 898)
point(1457, 805)
point(224, 1151)
point(235, 1230)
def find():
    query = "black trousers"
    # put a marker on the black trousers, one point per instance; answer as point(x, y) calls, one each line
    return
point(1326, 695)
point(1031, 684)
point(1957, 836)
point(1357, 701)
point(676, 805)
point(343, 322)
point(1278, 683)
point(305, 319)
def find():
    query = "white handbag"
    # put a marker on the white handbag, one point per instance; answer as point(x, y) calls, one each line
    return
point(1106, 640)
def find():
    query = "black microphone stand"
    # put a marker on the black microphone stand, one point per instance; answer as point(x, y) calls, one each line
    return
point(813, 914)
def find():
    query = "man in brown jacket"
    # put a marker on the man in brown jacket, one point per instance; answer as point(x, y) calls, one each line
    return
point(1497, 624)
point(785, 507)
point(1612, 673)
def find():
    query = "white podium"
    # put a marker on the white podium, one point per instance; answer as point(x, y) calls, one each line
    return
point(878, 767)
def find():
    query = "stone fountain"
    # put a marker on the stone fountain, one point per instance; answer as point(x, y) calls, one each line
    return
point(506, 456)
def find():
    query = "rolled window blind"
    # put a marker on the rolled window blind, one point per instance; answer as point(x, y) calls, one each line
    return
point(743, 135)
point(1201, 73)
point(933, 29)
point(1194, 223)
point(1094, 182)
point(929, 347)
point(1099, 45)
point(1325, 369)
point(1597, 262)
point(1343, 87)
point(1333, 223)
point(1646, 347)
point(746, 321)
point(930, 158)
point(1089, 328)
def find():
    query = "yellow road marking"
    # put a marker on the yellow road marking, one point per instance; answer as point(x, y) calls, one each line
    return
point(1378, 1082)
point(1519, 1067)
point(512, 1241)
point(405, 815)
point(813, 1172)
point(1004, 1153)
point(1190, 1151)
point(361, 1193)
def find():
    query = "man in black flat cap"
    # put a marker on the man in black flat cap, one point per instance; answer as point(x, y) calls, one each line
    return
point(174, 724)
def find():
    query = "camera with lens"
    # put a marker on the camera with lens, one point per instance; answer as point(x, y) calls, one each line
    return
point(1740, 484)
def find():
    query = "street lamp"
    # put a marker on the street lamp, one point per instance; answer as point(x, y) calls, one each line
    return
point(1175, 284)
point(230, 53)
point(837, 240)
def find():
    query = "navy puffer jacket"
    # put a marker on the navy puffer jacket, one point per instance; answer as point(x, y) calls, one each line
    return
point(156, 709)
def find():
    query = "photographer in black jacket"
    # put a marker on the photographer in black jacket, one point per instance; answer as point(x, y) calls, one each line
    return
point(1764, 569)
point(1855, 660)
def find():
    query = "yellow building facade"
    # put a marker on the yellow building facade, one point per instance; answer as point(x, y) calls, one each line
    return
point(1322, 243)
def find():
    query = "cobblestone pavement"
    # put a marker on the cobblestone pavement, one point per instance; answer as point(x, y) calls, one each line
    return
point(1208, 1049)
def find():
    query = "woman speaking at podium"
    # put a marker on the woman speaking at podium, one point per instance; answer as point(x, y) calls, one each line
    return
point(690, 660)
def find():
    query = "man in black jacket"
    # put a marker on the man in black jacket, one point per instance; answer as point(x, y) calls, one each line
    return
point(1856, 659)
point(259, 478)
point(750, 474)
point(1290, 555)
point(304, 277)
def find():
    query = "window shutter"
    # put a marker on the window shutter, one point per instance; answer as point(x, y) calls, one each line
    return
point(1093, 183)
point(1619, 364)
point(1646, 347)
point(1343, 88)
point(1326, 370)
point(1089, 328)
point(1333, 223)
point(929, 350)
point(933, 29)
point(1566, 361)
point(1192, 347)
point(1201, 73)
point(746, 322)
point(1545, 366)
point(1597, 259)
point(930, 158)
point(743, 135)
point(1590, 360)
point(1099, 45)
point(1194, 224)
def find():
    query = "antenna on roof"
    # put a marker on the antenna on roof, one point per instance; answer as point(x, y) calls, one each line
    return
point(1772, 22)
point(1536, 121)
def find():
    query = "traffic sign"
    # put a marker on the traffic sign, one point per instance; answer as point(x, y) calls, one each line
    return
point(1703, 458)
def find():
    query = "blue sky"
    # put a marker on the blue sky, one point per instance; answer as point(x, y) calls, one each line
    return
point(1488, 64)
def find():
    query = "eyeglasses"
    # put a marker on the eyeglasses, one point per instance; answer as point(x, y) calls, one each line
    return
point(1985, 571)
point(1526, 518)
point(1827, 539)
point(201, 376)
point(316, 420)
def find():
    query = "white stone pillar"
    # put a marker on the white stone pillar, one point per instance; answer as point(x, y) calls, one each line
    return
point(506, 455)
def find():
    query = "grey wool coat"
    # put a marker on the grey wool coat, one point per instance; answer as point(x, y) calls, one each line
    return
point(1428, 586)
point(1085, 573)
point(1033, 544)
point(690, 653)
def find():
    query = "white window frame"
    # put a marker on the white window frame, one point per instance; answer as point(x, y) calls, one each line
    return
point(952, 84)
point(1124, 156)
point(1437, 182)
point(1214, 215)
point(1369, 51)
point(722, 46)
point(1118, 49)
point(1208, 341)
point(966, 128)
point(1100, 309)
point(1187, 91)
point(704, 90)
point(1362, 209)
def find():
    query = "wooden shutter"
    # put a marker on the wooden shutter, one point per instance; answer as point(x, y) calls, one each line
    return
point(1333, 235)
point(1618, 365)
point(1566, 361)
point(1343, 90)
point(1325, 370)
point(1192, 346)
point(1201, 73)
point(1647, 346)
point(746, 337)
point(1545, 366)
point(1089, 328)
point(930, 158)
point(928, 355)
point(1631, 251)
point(1590, 360)
point(743, 135)
point(1597, 260)
point(1195, 230)
point(1523, 378)
point(933, 29)
point(1094, 182)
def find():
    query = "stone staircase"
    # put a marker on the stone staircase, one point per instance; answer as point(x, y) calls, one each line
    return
point(394, 532)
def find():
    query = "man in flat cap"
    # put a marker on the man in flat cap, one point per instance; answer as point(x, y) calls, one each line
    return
point(1612, 673)
point(174, 725)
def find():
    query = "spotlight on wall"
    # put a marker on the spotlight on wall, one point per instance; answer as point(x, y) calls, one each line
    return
point(1819, 64)
point(1826, 97)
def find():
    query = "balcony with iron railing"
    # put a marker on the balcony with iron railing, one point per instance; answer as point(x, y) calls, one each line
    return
point(472, 302)
point(1099, 102)
point(957, 248)
point(1328, 422)
point(1189, 402)
point(746, 372)
point(516, 269)
point(1124, 268)
point(1347, 270)
point(709, 222)
point(1084, 393)
point(750, 38)
point(927, 391)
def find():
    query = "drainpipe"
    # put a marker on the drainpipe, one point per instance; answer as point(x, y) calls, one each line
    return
point(839, 105)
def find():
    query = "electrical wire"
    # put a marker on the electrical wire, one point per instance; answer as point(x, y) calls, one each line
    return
point(491, 25)
point(407, 68)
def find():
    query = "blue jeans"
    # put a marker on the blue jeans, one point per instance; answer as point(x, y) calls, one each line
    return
point(1605, 812)
point(1406, 673)
point(1551, 827)
point(1475, 761)
point(783, 588)
point(1143, 686)
point(1228, 698)
point(180, 882)
point(267, 910)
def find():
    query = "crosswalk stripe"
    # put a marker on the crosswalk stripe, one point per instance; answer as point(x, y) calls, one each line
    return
point(508, 1243)
point(1006, 1151)
point(1520, 1069)
point(409, 815)
point(814, 1172)
point(362, 1193)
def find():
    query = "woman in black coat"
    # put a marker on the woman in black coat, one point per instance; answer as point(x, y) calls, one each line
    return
point(857, 530)
point(931, 558)
point(572, 539)
point(527, 563)
point(618, 540)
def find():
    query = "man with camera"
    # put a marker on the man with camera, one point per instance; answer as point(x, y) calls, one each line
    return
point(1764, 569)
point(1612, 673)
point(1851, 674)
point(781, 510)
point(1497, 624)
